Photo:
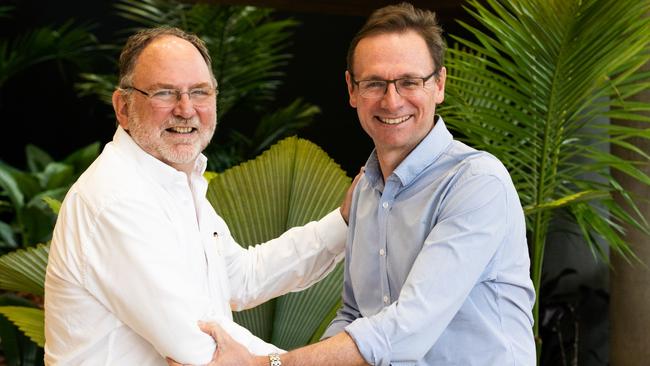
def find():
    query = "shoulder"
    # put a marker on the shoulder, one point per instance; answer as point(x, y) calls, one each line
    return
point(473, 164)
point(112, 178)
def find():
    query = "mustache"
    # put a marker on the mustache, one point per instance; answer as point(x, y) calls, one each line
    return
point(182, 122)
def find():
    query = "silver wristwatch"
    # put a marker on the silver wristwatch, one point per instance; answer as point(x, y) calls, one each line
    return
point(274, 359)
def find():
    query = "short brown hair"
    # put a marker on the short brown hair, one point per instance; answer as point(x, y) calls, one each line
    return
point(399, 19)
point(140, 40)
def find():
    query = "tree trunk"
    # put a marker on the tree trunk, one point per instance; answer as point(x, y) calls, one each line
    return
point(629, 312)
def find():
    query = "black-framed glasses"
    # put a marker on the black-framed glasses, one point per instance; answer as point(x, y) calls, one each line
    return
point(165, 98)
point(377, 88)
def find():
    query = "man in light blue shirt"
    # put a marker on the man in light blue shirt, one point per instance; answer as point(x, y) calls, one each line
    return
point(437, 266)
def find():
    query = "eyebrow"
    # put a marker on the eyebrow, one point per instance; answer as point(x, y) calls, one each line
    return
point(170, 86)
point(401, 76)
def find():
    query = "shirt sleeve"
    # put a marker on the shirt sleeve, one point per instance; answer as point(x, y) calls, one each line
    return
point(456, 252)
point(294, 261)
point(349, 310)
point(130, 268)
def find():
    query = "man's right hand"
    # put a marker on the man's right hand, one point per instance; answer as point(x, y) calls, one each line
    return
point(228, 353)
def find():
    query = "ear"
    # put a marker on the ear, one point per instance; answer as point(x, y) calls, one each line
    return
point(121, 108)
point(351, 91)
point(440, 85)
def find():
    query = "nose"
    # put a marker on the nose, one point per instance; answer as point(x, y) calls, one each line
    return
point(184, 107)
point(392, 99)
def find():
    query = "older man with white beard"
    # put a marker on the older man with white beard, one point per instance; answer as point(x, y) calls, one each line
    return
point(138, 255)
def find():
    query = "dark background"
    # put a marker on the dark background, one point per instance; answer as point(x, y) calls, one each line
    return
point(41, 107)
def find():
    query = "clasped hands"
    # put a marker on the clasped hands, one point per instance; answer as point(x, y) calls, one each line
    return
point(228, 352)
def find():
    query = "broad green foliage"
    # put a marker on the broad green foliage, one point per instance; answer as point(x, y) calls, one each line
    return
point(291, 184)
point(28, 320)
point(24, 270)
point(534, 89)
point(24, 194)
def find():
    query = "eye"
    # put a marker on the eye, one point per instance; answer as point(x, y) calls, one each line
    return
point(200, 92)
point(409, 83)
point(373, 84)
point(164, 94)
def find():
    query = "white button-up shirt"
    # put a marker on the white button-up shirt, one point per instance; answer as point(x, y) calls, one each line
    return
point(138, 256)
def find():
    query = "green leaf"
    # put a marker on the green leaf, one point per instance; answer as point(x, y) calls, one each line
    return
point(81, 159)
point(10, 186)
point(70, 43)
point(24, 270)
point(53, 204)
point(530, 86)
point(17, 348)
point(282, 123)
point(56, 175)
point(326, 322)
point(567, 200)
point(37, 159)
point(292, 183)
point(30, 321)
point(7, 235)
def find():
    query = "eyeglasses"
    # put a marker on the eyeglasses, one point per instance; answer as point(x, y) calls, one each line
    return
point(165, 98)
point(405, 86)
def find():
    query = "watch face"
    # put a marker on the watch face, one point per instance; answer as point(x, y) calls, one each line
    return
point(274, 359)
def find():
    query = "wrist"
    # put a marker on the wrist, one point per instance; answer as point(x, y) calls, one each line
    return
point(274, 359)
point(261, 361)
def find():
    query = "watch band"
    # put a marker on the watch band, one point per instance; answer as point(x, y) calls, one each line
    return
point(274, 360)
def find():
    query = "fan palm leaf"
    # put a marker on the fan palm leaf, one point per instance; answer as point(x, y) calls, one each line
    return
point(24, 270)
point(534, 87)
point(29, 320)
point(291, 184)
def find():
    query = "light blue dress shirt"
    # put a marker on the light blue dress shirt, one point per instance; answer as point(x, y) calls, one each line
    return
point(437, 266)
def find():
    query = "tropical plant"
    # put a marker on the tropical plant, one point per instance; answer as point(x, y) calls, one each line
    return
point(67, 43)
point(24, 194)
point(531, 88)
point(291, 184)
point(248, 49)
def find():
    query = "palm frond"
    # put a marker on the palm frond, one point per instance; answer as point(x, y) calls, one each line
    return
point(247, 47)
point(70, 43)
point(290, 184)
point(24, 270)
point(30, 321)
point(533, 88)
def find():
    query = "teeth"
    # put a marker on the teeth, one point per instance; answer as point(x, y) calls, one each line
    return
point(393, 121)
point(181, 129)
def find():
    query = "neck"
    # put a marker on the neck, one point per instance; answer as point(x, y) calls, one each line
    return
point(389, 160)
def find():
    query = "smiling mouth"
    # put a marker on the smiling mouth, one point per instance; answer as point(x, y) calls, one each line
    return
point(181, 130)
point(393, 121)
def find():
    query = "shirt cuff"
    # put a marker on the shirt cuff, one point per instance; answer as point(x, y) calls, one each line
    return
point(374, 348)
point(332, 230)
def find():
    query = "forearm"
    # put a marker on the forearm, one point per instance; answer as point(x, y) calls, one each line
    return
point(294, 261)
point(339, 350)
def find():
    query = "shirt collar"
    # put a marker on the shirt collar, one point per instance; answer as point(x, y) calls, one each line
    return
point(423, 155)
point(160, 171)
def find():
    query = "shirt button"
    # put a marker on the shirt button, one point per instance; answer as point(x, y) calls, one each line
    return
point(382, 252)
point(384, 205)
point(385, 299)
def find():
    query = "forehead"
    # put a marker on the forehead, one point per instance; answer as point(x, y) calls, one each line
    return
point(170, 60)
point(391, 55)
